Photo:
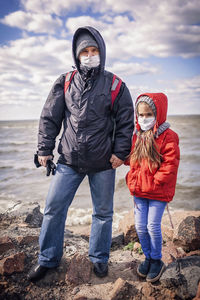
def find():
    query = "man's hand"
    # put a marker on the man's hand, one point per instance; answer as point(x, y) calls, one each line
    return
point(43, 160)
point(115, 161)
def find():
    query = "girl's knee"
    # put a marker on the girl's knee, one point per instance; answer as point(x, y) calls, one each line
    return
point(141, 228)
point(154, 228)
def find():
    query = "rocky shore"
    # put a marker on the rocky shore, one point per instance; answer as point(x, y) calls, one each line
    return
point(74, 278)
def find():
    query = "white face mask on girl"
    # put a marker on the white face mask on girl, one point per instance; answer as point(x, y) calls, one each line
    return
point(90, 61)
point(146, 123)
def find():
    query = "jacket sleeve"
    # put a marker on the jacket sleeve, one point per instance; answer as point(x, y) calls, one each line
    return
point(170, 160)
point(51, 118)
point(124, 118)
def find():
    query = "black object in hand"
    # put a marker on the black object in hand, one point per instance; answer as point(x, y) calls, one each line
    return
point(51, 167)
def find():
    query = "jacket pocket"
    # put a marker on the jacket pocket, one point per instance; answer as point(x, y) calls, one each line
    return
point(131, 181)
point(146, 181)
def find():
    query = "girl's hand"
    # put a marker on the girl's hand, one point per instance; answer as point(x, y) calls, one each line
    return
point(115, 161)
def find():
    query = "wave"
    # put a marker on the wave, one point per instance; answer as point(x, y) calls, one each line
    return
point(80, 216)
point(17, 168)
point(16, 143)
point(9, 151)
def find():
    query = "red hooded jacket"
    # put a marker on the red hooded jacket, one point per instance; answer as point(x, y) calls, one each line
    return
point(160, 184)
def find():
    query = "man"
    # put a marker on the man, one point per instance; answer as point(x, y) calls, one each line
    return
point(85, 148)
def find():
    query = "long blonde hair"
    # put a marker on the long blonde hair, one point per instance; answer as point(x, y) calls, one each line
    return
point(146, 148)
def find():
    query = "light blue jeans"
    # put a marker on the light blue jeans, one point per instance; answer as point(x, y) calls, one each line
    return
point(62, 189)
point(148, 215)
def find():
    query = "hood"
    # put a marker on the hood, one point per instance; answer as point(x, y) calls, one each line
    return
point(98, 38)
point(161, 103)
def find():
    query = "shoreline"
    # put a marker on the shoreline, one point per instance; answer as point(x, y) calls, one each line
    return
point(74, 278)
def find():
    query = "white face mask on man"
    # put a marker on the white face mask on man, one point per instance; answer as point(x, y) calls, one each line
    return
point(146, 123)
point(90, 61)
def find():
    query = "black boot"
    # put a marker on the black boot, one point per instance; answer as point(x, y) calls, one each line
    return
point(37, 273)
point(143, 268)
point(157, 267)
point(101, 269)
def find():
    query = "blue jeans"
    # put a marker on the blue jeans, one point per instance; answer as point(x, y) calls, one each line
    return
point(148, 215)
point(62, 189)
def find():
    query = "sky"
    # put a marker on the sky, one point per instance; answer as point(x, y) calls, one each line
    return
point(154, 46)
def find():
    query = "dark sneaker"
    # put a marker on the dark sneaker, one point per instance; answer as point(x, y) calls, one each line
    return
point(37, 273)
point(143, 268)
point(101, 269)
point(156, 269)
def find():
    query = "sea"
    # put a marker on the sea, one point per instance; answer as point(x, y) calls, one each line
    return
point(22, 183)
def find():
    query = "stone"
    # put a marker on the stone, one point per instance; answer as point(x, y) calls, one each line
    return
point(170, 252)
point(26, 240)
point(183, 276)
point(177, 217)
point(136, 246)
point(70, 250)
point(152, 292)
point(198, 293)
point(122, 290)
point(188, 235)
point(167, 233)
point(35, 217)
point(191, 253)
point(117, 241)
point(80, 270)
point(13, 263)
point(5, 244)
point(127, 226)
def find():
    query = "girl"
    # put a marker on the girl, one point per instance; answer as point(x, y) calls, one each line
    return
point(153, 161)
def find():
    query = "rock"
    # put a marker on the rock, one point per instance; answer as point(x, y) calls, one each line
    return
point(6, 244)
point(127, 226)
point(191, 253)
point(80, 269)
point(117, 241)
point(177, 217)
point(75, 244)
point(183, 275)
point(26, 240)
point(152, 292)
point(136, 246)
point(188, 236)
point(170, 252)
point(35, 217)
point(70, 250)
point(167, 233)
point(13, 263)
point(198, 293)
point(75, 290)
point(122, 290)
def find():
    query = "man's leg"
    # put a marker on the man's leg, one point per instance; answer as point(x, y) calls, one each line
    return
point(102, 191)
point(61, 193)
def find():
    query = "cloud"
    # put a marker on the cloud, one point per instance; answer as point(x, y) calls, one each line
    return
point(30, 67)
point(160, 28)
point(183, 94)
point(37, 23)
point(134, 33)
point(58, 7)
point(130, 68)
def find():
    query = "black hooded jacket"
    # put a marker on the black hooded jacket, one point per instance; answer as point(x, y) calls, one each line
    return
point(87, 118)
